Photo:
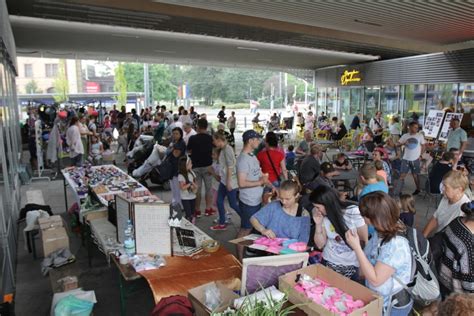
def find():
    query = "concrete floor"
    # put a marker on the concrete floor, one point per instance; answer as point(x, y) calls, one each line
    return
point(34, 292)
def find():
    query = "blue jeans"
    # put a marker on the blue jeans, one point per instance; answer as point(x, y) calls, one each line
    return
point(222, 193)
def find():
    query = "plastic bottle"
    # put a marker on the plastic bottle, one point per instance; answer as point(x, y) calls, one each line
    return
point(129, 243)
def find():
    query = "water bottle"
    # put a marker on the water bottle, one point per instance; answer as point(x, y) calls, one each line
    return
point(129, 243)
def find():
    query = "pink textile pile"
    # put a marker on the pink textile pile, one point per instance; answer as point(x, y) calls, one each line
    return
point(331, 298)
point(277, 245)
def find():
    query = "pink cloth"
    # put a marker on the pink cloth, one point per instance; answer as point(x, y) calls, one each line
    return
point(331, 298)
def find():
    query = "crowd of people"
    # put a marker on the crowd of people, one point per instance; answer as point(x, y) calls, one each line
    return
point(290, 192)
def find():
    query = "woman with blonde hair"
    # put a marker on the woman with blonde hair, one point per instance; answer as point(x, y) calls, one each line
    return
point(454, 185)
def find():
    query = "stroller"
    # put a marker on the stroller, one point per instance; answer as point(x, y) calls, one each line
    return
point(141, 151)
point(150, 163)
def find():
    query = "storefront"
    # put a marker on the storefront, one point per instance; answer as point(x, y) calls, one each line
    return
point(408, 87)
point(9, 157)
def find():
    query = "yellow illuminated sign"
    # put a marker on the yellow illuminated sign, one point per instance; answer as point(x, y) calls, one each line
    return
point(350, 76)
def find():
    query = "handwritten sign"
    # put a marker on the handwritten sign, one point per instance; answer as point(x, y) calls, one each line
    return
point(433, 123)
point(152, 231)
point(350, 76)
point(443, 135)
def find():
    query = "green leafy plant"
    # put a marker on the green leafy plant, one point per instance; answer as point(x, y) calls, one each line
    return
point(268, 307)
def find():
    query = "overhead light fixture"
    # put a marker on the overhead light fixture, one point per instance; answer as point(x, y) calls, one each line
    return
point(367, 23)
point(125, 35)
point(247, 48)
point(164, 51)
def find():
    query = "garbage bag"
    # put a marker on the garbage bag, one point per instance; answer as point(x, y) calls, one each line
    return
point(72, 306)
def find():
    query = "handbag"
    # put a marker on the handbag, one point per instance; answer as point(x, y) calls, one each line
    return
point(273, 166)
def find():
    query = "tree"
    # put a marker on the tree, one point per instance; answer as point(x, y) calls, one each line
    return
point(161, 77)
point(32, 87)
point(120, 85)
point(61, 84)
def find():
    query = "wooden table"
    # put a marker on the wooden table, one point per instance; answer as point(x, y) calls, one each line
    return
point(180, 274)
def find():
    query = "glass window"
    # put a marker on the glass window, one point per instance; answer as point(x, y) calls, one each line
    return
point(466, 104)
point(321, 102)
point(356, 100)
point(389, 101)
point(412, 101)
point(345, 101)
point(331, 105)
point(51, 70)
point(371, 101)
point(28, 70)
point(440, 96)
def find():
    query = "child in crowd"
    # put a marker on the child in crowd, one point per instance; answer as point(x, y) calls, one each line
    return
point(309, 121)
point(214, 170)
point(342, 162)
point(380, 171)
point(369, 180)
point(407, 209)
point(290, 157)
point(95, 150)
point(188, 187)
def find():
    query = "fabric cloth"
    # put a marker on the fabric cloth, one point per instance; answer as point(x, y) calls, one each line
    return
point(395, 253)
point(227, 160)
point(457, 263)
point(455, 137)
point(413, 143)
point(186, 136)
point(175, 191)
point(309, 169)
point(408, 218)
point(187, 194)
point(395, 129)
point(276, 157)
point(246, 212)
point(200, 146)
point(73, 139)
point(410, 166)
point(373, 187)
point(248, 164)
point(336, 251)
point(446, 213)
point(436, 175)
point(203, 175)
point(272, 216)
point(320, 181)
point(304, 146)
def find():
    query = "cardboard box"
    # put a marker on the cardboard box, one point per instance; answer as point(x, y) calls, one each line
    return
point(50, 222)
point(198, 299)
point(54, 239)
point(374, 302)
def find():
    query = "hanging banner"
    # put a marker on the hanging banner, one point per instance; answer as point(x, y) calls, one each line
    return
point(39, 146)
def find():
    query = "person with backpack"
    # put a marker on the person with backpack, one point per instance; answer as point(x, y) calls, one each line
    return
point(386, 262)
point(333, 218)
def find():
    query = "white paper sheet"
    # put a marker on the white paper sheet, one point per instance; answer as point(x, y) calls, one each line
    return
point(152, 231)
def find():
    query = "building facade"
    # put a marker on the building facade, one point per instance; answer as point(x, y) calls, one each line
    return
point(404, 86)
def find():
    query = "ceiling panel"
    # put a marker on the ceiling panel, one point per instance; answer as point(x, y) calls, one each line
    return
point(436, 21)
point(54, 38)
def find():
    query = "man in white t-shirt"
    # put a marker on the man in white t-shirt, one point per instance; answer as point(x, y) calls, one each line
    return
point(377, 125)
point(414, 143)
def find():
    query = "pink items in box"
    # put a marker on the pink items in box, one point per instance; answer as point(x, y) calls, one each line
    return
point(279, 245)
point(331, 298)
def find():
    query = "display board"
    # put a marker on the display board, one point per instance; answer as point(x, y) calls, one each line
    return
point(443, 136)
point(152, 231)
point(433, 123)
point(123, 209)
